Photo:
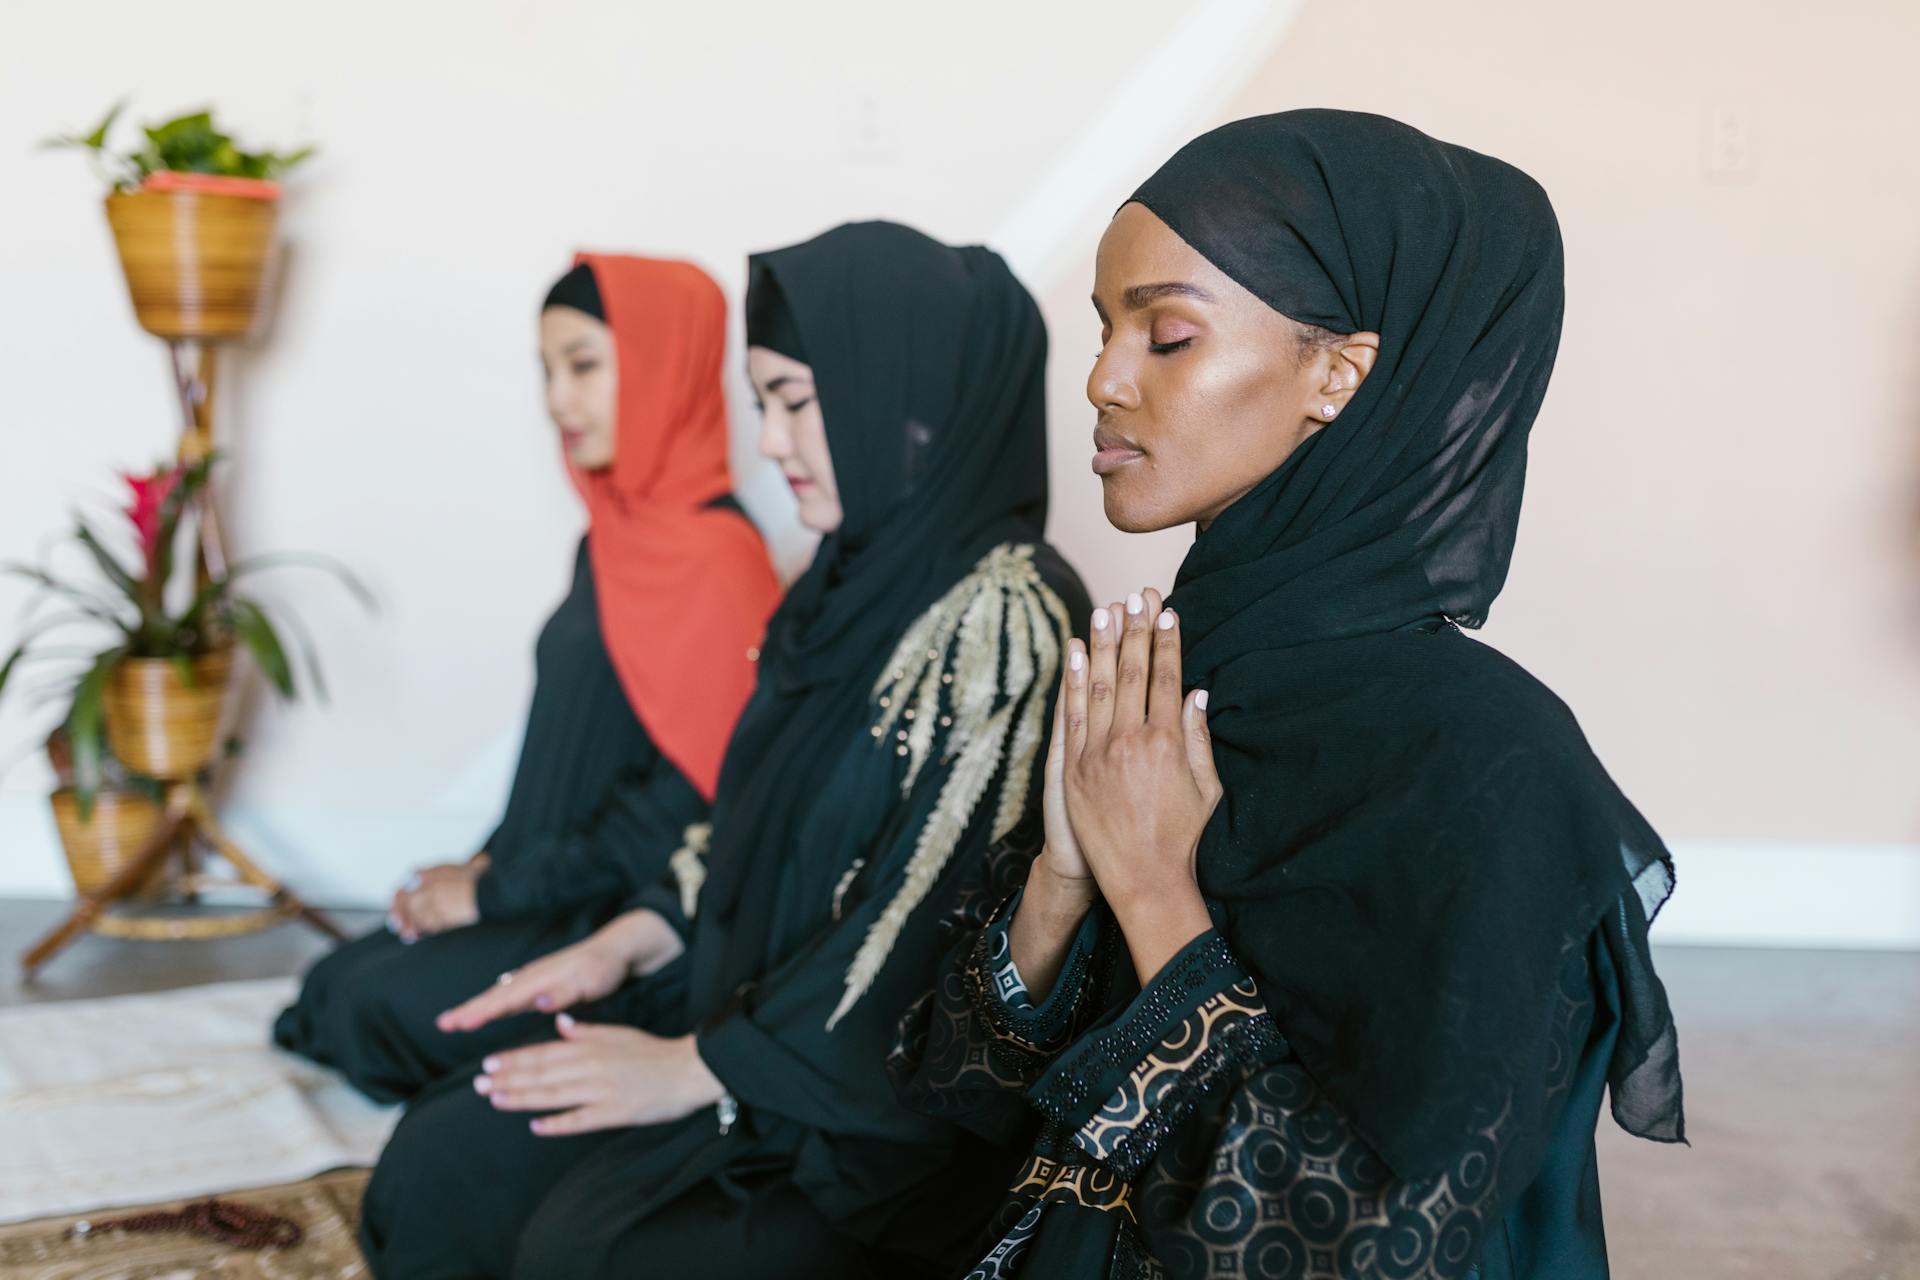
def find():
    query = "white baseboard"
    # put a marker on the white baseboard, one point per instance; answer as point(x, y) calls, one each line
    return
point(1731, 893)
point(1742, 893)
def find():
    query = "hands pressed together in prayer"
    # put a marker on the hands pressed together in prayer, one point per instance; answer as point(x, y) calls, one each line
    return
point(437, 898)
point(1130, 785)
point(594, 1076)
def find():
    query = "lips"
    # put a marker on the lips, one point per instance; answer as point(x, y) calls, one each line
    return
point(1112, 451)
point(799, 484)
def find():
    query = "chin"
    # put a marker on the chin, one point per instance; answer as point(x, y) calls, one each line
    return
point(1127, 512)
point(821, 522)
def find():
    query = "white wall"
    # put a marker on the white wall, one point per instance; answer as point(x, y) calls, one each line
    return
point(390, 415)
point(1719, 560)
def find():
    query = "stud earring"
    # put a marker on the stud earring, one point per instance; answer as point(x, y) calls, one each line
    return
point(1327, 411)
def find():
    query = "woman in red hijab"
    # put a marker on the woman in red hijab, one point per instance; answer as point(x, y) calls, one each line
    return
point(640, 675)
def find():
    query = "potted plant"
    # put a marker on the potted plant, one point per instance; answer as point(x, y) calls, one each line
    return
point(145, 703)
point(193, 215)
point(126, 814)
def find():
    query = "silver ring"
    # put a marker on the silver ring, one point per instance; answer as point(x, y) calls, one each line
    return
point(504, 978)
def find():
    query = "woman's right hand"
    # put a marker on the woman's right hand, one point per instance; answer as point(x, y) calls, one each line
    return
point(1061, 857)
point(638, 942)
point(1060, 885)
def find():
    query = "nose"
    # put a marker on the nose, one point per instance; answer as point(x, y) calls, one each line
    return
point(775, 441)
point(559, 398)
point(1111, 384)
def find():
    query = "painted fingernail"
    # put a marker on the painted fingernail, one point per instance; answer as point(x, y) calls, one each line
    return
point(1166, 620)
point(537, 1126)
point(482, 1085)
point(543, 1003)
point(1200, 699)
point(566, 1021)
point(1101, 618)
point(490, 1064)
point(1075, 659)
point(1135, 604)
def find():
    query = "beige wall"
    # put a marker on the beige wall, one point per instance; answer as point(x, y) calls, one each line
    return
point(1719, 560)
point(1719, 565)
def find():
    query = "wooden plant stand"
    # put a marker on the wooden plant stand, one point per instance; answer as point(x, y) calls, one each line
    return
point(193, 263)
point(189, 817)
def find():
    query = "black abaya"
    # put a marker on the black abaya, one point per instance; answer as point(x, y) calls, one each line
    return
point(895, 732)
point(593, 812)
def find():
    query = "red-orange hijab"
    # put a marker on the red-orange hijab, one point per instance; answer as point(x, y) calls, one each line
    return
point(684, 589)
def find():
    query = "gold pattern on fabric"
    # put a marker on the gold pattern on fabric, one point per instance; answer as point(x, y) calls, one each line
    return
point(969, 686)
point(1164, 1064)
point(1044, 1181)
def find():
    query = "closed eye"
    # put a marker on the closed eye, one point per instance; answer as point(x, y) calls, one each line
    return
point(1165, 348)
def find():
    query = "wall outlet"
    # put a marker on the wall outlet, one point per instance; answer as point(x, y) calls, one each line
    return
point(1728, 153)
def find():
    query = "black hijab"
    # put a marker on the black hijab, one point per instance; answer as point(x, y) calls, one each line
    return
point(577, 289)
point(1414, 831)
point(929, 363)
point(770, 321)
point(930, 366)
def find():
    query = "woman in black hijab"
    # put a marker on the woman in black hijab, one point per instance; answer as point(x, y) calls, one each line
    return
point(731, 1114)
point(1347, 1006)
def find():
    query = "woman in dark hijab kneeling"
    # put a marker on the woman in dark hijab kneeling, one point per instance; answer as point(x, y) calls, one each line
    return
point(1338, 934)
point(715, 1099)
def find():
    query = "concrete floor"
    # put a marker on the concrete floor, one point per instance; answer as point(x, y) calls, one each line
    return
point(1803, 1106)
point(1803, 1091)
point(113, 967)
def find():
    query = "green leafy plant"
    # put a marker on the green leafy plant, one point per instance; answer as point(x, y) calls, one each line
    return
point(162, 605)
point(190, 143)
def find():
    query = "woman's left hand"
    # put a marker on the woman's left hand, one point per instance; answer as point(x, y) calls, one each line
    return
point(600, 1077)
point(1139, 774)
point(435, 900)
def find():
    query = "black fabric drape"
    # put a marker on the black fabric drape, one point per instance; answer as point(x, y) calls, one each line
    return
point(929, 362)
point(581, 732)
point(575, 833)
point(1414, 829)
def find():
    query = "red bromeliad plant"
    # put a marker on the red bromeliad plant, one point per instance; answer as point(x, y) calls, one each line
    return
point(163, 606)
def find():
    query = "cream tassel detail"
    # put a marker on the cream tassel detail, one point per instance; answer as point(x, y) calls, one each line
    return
point(689, 864)
point(973, 675)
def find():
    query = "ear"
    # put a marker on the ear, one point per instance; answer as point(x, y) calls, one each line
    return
point(1346, 367)
point(1349, 364)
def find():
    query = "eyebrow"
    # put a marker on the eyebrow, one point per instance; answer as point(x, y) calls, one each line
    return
point(783, 380)
point(1142, 295)
point(578, 344)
